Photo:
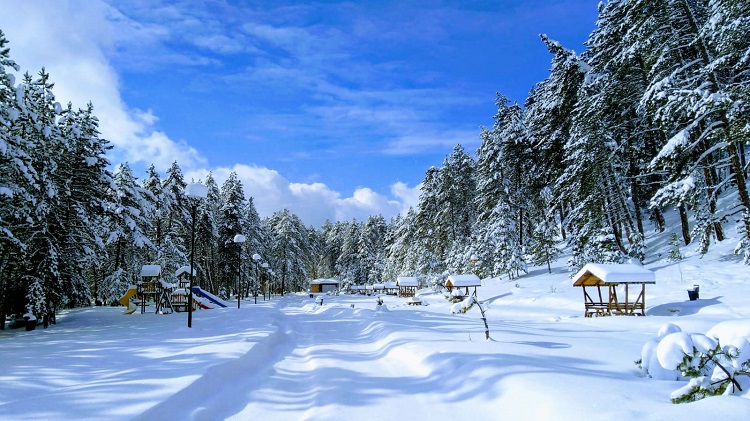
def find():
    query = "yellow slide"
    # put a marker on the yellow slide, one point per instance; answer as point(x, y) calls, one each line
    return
point(125, 300)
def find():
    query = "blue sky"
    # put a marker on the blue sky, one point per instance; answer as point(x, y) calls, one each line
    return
point(332, 109)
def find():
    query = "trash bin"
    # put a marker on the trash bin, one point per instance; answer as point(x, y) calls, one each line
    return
point(30, 322)
point(693, 293)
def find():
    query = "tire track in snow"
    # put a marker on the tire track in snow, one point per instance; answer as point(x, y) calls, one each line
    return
point(344, 360)
point(222, 390)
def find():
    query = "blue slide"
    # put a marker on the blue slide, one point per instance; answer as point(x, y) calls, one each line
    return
point(207, 295)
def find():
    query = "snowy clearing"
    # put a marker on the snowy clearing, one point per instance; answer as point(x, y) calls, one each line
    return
point(292, 359)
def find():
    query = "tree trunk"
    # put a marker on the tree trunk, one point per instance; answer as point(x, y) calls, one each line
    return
point(658, 217)
point(562, 223)
point(685, 224)
point(739, 180)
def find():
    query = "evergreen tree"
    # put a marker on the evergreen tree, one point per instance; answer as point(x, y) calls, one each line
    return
point(128, 243)
point(371, 248)
point(290, 250)
point(208, 217)
point(430, 235)
point(231, 222)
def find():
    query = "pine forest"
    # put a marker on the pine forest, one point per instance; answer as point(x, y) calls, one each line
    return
point(653, 117)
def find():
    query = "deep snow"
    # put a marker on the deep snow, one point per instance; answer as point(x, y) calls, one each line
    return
point(292, 359)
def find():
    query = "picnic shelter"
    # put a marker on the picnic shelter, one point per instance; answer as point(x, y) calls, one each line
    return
point(463, 281)
point(600, 283)
point(407, 286)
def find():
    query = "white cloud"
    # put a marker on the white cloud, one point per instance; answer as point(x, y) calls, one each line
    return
point(76, 40)
point(409, 196)
point(71, 41)
point(312, 202)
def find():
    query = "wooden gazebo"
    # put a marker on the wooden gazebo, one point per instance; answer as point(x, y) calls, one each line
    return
point(463, 281)
point(610, 276)
point(407, 286)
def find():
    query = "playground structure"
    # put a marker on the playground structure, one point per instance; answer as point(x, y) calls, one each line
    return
point(164, 296)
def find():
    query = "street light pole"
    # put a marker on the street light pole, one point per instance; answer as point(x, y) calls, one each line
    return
point(265, 269)
point(239, 239)
point(196, 192)
point(256, 260)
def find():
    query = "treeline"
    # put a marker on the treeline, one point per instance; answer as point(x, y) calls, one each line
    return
point(653, 117)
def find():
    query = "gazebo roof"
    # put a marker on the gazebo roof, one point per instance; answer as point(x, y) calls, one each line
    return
point(323, 281)
point(407, 281)
point(469, 280)
point(613, 274)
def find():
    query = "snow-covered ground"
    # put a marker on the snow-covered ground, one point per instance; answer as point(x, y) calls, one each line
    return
point(290, 359)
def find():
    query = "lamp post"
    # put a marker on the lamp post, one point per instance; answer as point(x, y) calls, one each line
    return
point(195, 192)
point(265, 269)
point(256, 260)
point(239, 239)
point(271, 275)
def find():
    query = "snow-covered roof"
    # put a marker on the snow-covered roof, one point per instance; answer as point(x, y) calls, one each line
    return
point(468, 280)
point(378, 286)
point(150, 270)
point(390, 285)
point(603, 274)
point(323, 281)
point(407, 281)
point(184, 269)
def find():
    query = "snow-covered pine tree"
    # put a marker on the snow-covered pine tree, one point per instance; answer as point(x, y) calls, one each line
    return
point(371, 248)
point(17, 181)
point(290, 250)
point(612, 92)
point(456, 192)
point(548, 116)
point(175, 208)
point(400, 246)
point(349, 263)
point(694, 101)
point(333, 239)
point(431, 236)
point(85, 180)
point(158, 217)
point(542, 248)
point(207, 237)
point(231, 222)
point(258, 241)
point(37, 123)
point(127, 242)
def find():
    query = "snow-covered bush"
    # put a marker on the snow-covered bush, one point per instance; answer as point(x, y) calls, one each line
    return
point(713, 364)
point(674, 249)
point(455, 296)
point(463, 306)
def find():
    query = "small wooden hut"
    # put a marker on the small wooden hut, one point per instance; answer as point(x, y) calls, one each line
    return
point(463, 281)
point(629, 278)
point(407, 286)
point(324, 285)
